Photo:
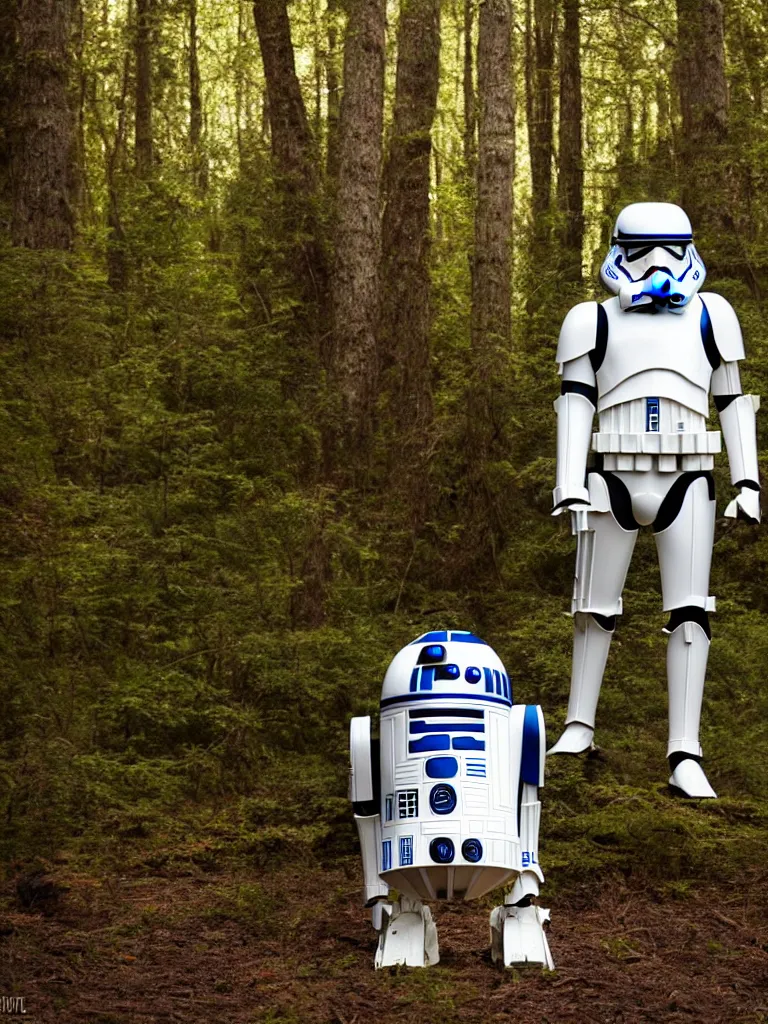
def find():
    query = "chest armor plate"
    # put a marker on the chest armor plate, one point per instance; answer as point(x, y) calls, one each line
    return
point(641, 343)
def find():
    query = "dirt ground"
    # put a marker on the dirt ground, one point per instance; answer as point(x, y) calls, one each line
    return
point(295, 946)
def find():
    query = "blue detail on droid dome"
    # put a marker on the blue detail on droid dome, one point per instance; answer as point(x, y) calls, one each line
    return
point(442, 850)
point(442, 636)
point(460, 637)
point(423, 677)
point(472, 850)
point(529, 763)
point(446, 672)
point(442, 767)
point(430, 655)
point(442, 799)
point(437, 637)
point(428, 743)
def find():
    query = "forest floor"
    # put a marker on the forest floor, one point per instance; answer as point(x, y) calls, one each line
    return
point(294, 945)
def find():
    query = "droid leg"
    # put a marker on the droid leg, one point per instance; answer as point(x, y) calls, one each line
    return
point(363, 786)
point(517, 927)
point(685, 552)
point(408, 935)
point(605, 540)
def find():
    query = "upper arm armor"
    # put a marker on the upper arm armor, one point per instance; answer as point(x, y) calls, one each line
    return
point(578, 335)
point(725, 327)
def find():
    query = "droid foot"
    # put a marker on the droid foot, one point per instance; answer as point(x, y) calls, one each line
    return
point(689, 778)
point(576, 739)
point(408, 936)
point(517, 936)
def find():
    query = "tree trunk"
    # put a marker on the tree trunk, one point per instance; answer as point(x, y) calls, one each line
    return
point(470, 106)
point(491, 271)
point(703, 105)
point(43, 138)
point(491, 286)
point(143, 138)
point(491, 282)
point(7, 61)
point(355, 281)
point(199, 162)
point(541, 20)
point(406, 229)
point(293, 154)
point(571, 177)
point(332, 87)
point(291, 139)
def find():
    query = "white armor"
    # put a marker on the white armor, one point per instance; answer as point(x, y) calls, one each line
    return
point(446, 801)
point(646, 361)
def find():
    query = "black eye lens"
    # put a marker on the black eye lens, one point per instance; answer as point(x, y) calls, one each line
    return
point(637, 254)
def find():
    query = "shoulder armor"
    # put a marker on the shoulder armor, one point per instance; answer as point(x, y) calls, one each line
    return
point(725, 326)
point(578, 335)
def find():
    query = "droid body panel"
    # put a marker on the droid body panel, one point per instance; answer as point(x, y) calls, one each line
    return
point(646, 362)
point(446, 800)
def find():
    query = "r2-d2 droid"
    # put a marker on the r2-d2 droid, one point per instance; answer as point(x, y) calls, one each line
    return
point(646, 361)
point(446, 800)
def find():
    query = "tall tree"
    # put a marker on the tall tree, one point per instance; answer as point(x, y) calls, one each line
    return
point(541, 20)
point(406, 229)
point(355, 280)
point(199, 162)
point(703, 102)
point(293, 150)
point(491, 258)
point(42, 148)
point(491, 262)
point(7, 61)
point(333, 89)
point(470, 112)
point(144, 139)
point(570, 185)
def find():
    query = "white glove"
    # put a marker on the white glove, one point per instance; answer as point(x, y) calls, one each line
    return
point(746, 505)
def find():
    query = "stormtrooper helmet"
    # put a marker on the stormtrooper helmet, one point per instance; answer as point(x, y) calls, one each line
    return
point(653, 263)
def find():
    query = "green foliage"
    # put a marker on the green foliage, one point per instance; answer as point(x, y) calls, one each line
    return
point(168, 703)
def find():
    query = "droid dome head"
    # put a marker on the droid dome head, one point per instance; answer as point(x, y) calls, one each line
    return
point(652, 263)
point(446, 663)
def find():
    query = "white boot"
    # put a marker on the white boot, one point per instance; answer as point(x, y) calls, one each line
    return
point(687, 654)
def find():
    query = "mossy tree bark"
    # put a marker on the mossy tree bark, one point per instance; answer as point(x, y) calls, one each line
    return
point(570, 186)
point(406, 227)
point(491, 263)
point(541, 19)
point(355, 276)
point(144, 140)
point(293, 158)
point(42, 139)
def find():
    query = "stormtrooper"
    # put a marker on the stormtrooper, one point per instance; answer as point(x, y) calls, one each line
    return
point(646, 360)
point(446, 800)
